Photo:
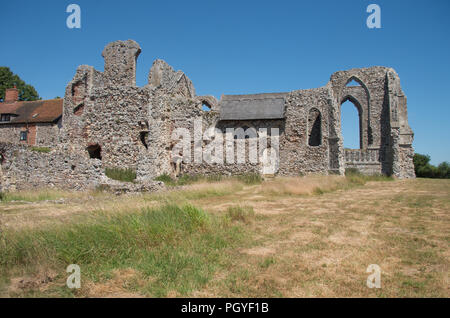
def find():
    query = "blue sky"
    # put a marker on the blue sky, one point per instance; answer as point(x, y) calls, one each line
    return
point(246, 46)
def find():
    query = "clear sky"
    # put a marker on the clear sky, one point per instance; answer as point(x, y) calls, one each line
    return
point(246, 46)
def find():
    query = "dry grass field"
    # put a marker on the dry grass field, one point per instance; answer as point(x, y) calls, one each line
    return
point(284, 237)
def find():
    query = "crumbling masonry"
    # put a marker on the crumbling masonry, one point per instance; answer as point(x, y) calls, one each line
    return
point(110, 122)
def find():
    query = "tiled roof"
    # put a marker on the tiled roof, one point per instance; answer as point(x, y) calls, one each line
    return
point(255, 106)
point(41, 111)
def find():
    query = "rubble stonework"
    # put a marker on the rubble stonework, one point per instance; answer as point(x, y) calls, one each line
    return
point(110, 122)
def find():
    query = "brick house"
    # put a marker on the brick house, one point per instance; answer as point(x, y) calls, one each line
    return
point(36, 123)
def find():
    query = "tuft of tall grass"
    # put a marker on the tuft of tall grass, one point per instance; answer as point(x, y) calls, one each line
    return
point(178, 246)
point(107, 236)
point(318, 185)
point(187, 179)
point(240, 213)
point(32, 196)
point(250, 178)
point(125, 175)
point(166, 179)
point(196, 191)
point(353, 176)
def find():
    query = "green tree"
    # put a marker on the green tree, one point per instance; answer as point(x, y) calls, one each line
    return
point(424, 169)
point(421, 162)
point(8, 79)
point(444, 170)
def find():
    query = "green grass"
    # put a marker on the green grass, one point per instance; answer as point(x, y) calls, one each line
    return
point(41, 149)
point(180, 250)
point(239, 213)
point(354, 176)
point(267, 262)
point(26, 196)
point(319, 191)
point(249, 179)
point(125, 175)
point(352, 179)
point(187, 179)
point(172, 248)
point(166, 179)
point(183, 196)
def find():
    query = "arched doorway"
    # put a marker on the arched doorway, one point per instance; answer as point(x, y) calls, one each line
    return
point(351, 125)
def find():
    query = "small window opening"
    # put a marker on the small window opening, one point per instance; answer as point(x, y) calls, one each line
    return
point(143, 136)
point(23, 136)
point(206, 107)
point(5, 117)
point(95, 151)
point(315, 128)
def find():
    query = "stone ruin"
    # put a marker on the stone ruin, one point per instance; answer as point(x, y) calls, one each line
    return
point(108, 121)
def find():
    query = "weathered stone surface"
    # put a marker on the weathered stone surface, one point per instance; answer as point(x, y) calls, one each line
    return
point(118, 187)
point(109, 122)
point(23, 168)
point(120, 63)
point(163, 77)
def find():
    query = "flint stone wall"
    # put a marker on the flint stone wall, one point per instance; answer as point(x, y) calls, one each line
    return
point(23, 168)
point(137, 127)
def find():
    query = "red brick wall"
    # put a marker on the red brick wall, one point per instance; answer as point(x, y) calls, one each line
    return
point(11, 95)
point(32, 134)
point(31, 140)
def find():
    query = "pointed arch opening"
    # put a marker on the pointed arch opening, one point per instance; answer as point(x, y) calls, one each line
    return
point(351, 123)
point(314, 127)
point(353, 83)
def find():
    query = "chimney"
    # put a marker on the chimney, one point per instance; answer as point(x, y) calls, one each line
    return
point(11, 95)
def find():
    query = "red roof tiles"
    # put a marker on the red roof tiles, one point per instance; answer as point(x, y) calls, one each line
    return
point(41, 111)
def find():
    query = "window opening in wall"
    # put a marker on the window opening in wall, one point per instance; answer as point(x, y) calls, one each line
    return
point(206, 107)
point(5, 118)
point(143, 135)
point(23, 136)
point(350, 125)
point(315, 128)
point(95, 151)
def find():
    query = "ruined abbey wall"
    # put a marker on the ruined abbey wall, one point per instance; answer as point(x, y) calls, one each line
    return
point(110, 122)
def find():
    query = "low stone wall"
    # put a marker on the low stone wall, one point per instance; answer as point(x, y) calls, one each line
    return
point(367, 161)
point(24, 169)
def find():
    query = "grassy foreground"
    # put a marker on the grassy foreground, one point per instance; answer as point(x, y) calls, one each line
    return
point(284, 237)
point(169, 248)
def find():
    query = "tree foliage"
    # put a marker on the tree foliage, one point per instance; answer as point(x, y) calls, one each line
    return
point(424, 169)
point(8, 79)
